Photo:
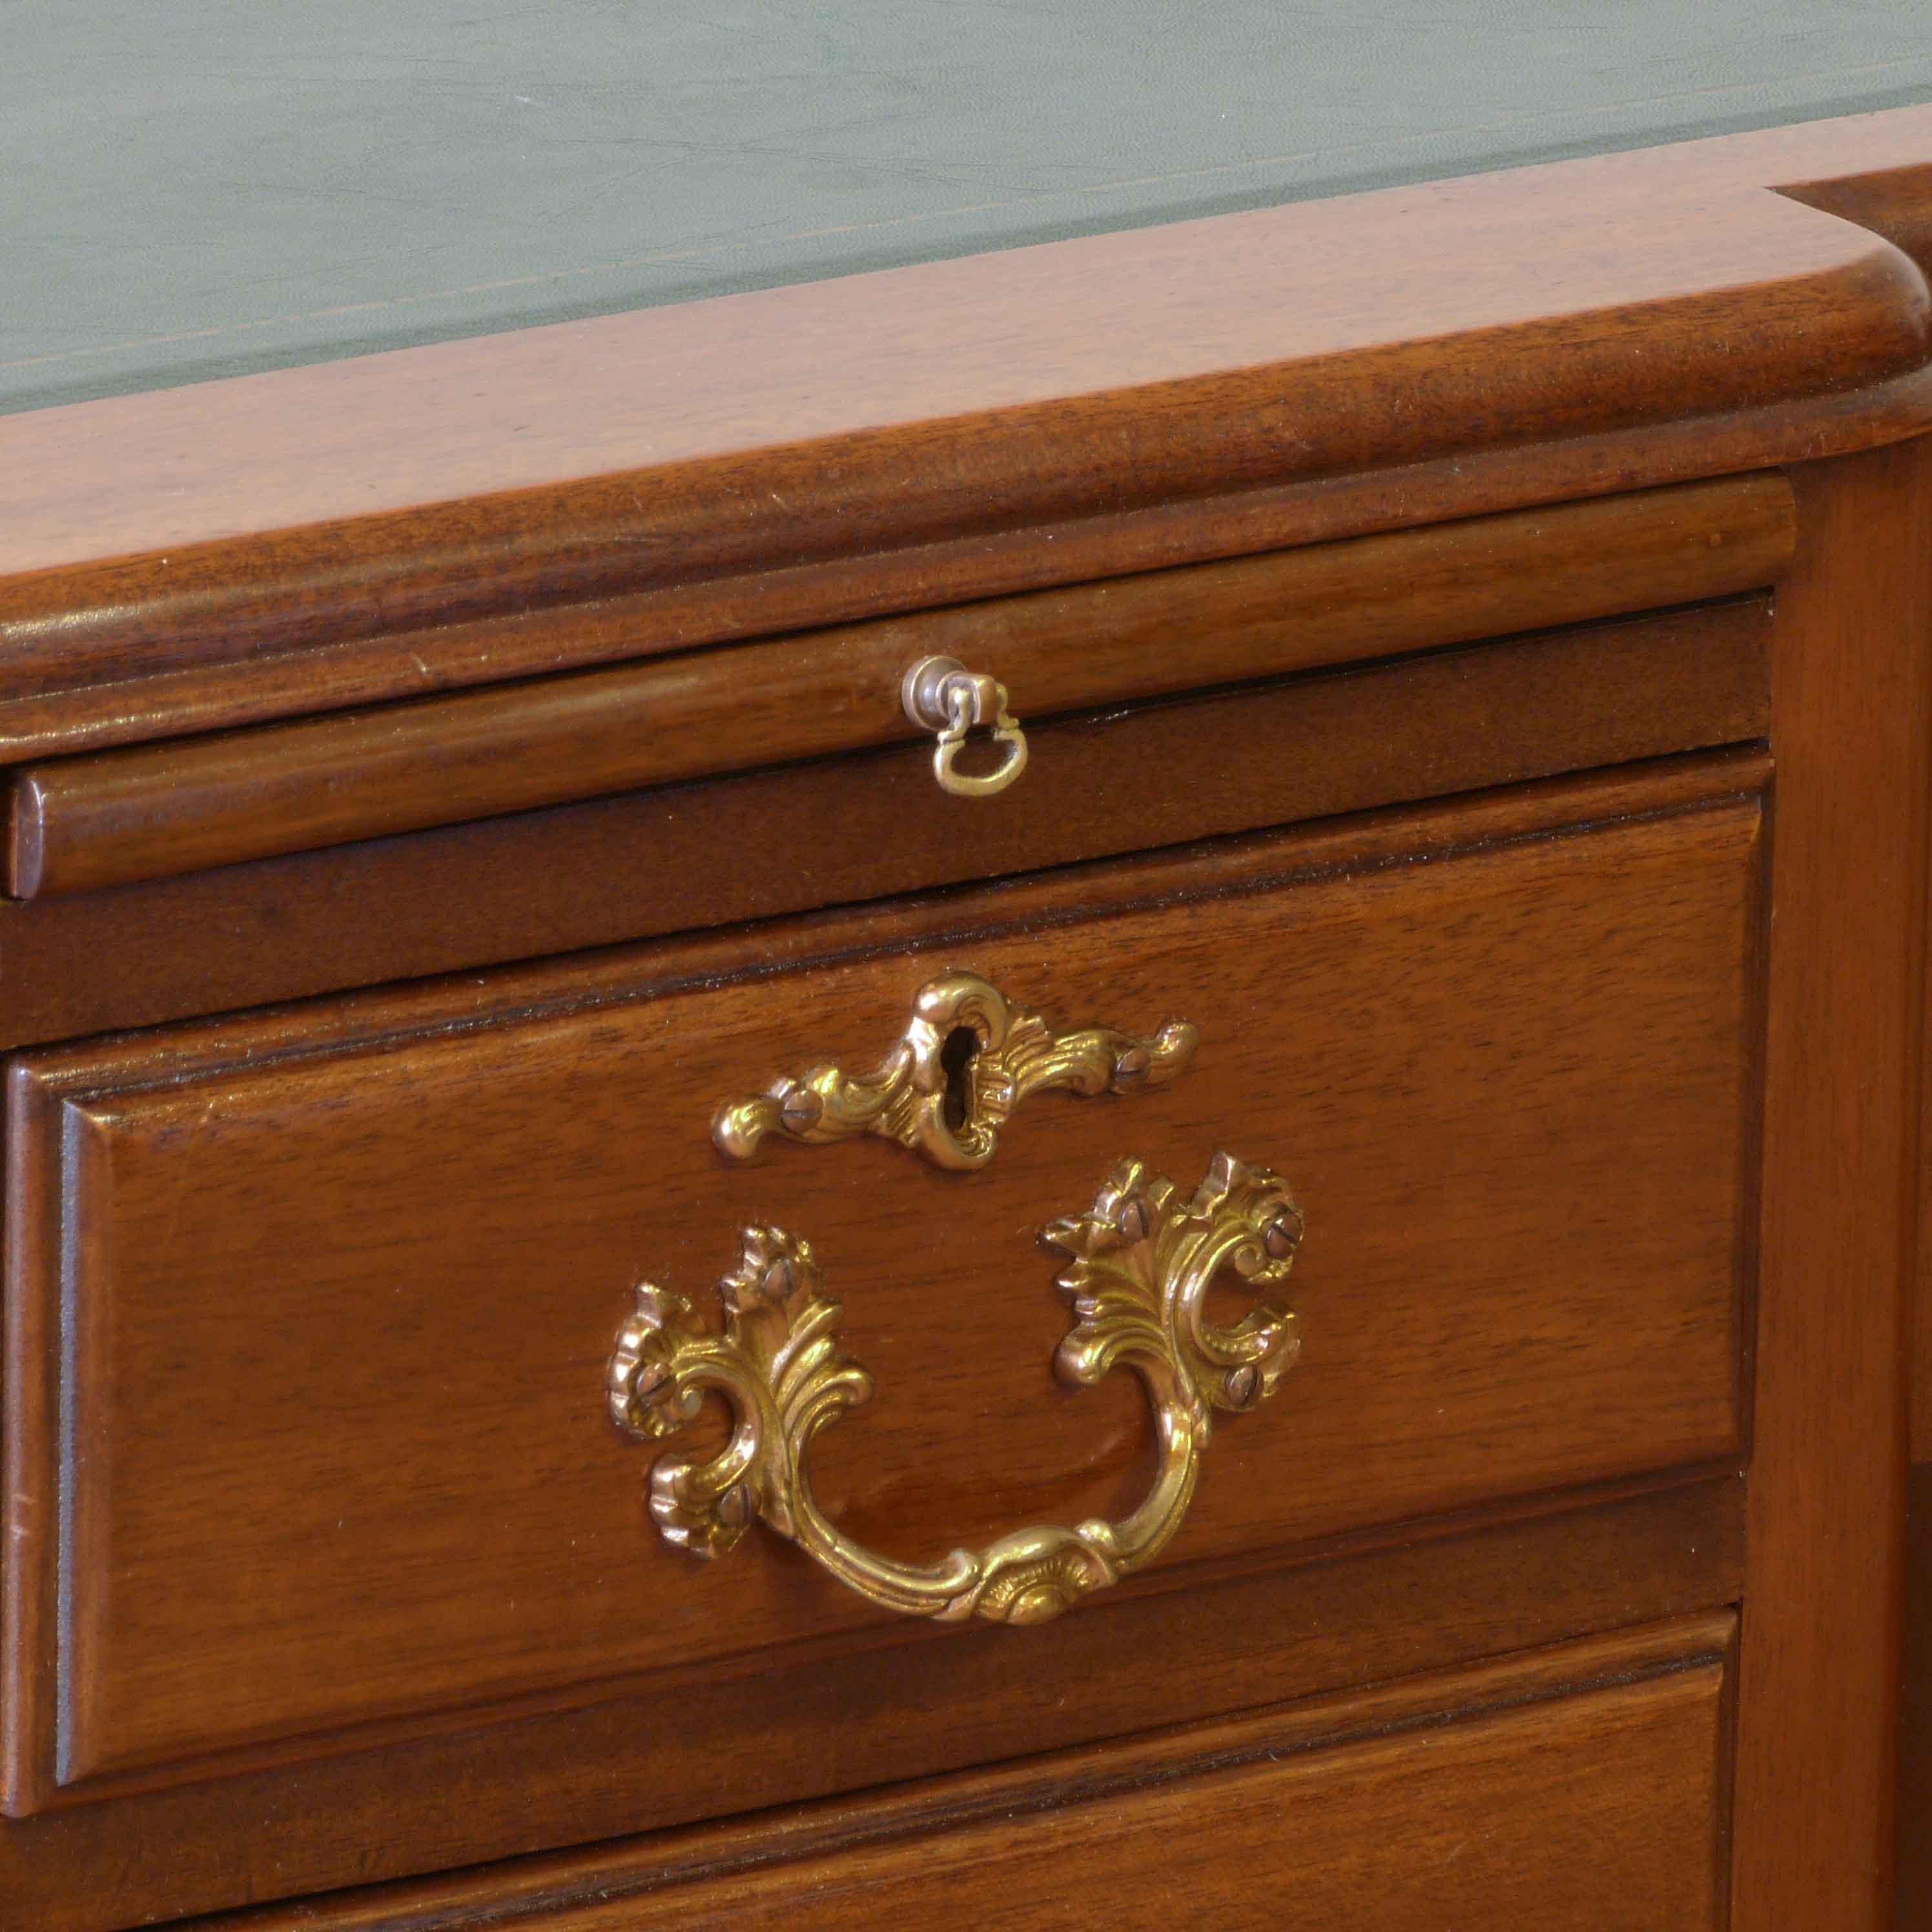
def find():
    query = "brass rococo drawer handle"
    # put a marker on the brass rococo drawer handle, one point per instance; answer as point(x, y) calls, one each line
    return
point(941, 695)
point(1141, 1267)
point(968, 1058)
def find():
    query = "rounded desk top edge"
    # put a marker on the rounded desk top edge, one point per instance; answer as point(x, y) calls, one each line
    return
point(1645, 317)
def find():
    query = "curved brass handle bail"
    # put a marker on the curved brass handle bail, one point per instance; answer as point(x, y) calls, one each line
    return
point(951, 1109)
point(1139, 1272)
point(940, 694)
point(967, 711)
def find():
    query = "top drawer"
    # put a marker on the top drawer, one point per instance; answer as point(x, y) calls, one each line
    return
point(153, 810)
point(1218, 740)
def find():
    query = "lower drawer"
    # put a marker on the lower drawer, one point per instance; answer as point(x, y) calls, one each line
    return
point(1582, 1788)
point(1599, 1811)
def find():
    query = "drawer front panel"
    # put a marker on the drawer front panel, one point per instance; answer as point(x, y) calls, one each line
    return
point(1235, 760)
point(675, 1748)
point(148, 811)
point(310, 1314)
point(1499, 1795)
point(1597, 1813)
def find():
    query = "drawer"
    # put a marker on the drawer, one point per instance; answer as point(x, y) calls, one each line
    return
point(1501, 1795)
point(1499, 1813)
point(696, 788)
point(146, 811)
point(310, 1312)
point(1510, 1811)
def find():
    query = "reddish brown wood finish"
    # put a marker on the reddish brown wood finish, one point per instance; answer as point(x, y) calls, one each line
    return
point(1920, 1346)
point(383, 527)
point(1358, 842)
point(1911, 1904)
point(1852, 729)
point(1423, 1597)
point(360, 534)
point(860, 829)
point(312, 1240)
point(80, 823)
point(1889, 193)
point(1498, 1820)
point(1505, 1814)
point(1919, 1314)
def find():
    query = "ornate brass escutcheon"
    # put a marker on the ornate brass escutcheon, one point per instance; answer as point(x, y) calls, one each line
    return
point(968, 1058)
point(1140, 1268)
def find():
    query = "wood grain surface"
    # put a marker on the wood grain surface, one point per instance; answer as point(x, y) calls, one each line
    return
point(1919, 1315)
point(1912, 1900)
point(706, 1743)
point(862, 828)
point(1851, 730)
point(413, 1255)
point(115, 817)
point(1501, 1819)
point(1490, 1797)
point(391, 525)
point(1515, 1080)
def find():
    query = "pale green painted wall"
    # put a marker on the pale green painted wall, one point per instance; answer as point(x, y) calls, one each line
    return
point(204, 187)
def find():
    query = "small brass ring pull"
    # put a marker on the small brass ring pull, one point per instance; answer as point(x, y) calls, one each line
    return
point(940, 694)
point(1140, 1269)
point(968, 1057)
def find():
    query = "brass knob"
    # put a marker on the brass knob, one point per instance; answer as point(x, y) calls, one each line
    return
point(942, 696)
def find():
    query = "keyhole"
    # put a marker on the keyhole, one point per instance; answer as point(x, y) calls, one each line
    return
point(956, 1055)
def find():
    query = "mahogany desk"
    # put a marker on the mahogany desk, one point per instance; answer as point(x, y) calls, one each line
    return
point(471, 853)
